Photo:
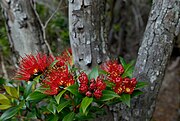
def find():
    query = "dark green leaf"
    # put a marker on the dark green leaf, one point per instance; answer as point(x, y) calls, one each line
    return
point(28, 89)
point(109, 84)
point(94, 73)
point(58, 97)
point(74, 90)
point(128, 70)
point(136, 93)
point(9, 113)
point(53, 118)
point(108, 95)
point(125, 98)
point(61, 106)
point(123, 62)
point(2, 81)
point(36, 96)
point(69, 117)
point(85, 103)
point(141, 85)
point(51, 107)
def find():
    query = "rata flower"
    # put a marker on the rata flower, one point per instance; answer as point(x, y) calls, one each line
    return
point(65, 58)
point(31, 66)
point(58, 78)
point(92, 87)
point(113, 69)
point(129, 85)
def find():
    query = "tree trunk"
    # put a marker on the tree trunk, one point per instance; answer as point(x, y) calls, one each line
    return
point(87, 32)
point(24, 29)
point(88, 35)
point(162, 27)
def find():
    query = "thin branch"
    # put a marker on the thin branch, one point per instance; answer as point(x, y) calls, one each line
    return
point(46, 23)
point(43, 29)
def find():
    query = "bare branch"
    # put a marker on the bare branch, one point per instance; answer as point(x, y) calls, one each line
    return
point(52, 15)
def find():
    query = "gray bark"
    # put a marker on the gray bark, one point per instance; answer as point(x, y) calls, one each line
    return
point(24, 28)
point(162, 27)
point(87, 32)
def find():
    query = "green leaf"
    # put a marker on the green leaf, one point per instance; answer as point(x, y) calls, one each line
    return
point(141, 85)
point(58, 97)
point(9, 113)
point(4, 100)
point(36, 96)
point(28, 89)
point(74, 90)
point(61, 106)
point(53, 118)
point(126, 98)
point(12, 91)
point(136, 93)
point(109, 84)
point(53, 63)
point(94, 73)
point(3, 107)
point(69, 117)
point(128, 70)
point(52, 108)
point(123, 62)
point(85, 103)
point(108, 95)
point(2, 81)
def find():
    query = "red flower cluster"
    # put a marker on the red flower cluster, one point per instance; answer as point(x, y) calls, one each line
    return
point(114, 72)
point(94, 88)
point(113, 69)
point(126, 85)
point(57, 78)
point(31, 66)
point(65, 58)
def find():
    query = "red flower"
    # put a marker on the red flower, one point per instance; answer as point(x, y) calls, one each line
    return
point(113, 69)
point(118, 89)
point(65, 58)
point(129, 85)
point(83, 88)
point(31, 66)
point(58, 77)
point(83, 78)
point(100, 85)
point(88, 93)
point(97, 94)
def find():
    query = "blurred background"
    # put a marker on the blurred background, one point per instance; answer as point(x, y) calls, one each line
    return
point(126, 21)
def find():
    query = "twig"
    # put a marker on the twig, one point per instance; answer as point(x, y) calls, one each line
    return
point(43, 29)
point(49, 19)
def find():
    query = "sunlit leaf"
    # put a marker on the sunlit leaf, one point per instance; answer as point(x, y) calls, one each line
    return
point(12, 91)
point(85, 103)
point(58, 97)
point(3, 107)
point(74, 90)
point(4, 100)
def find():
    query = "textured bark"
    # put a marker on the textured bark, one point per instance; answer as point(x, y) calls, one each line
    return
point(162, 27)
point(87, 32)
point(24, 29)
